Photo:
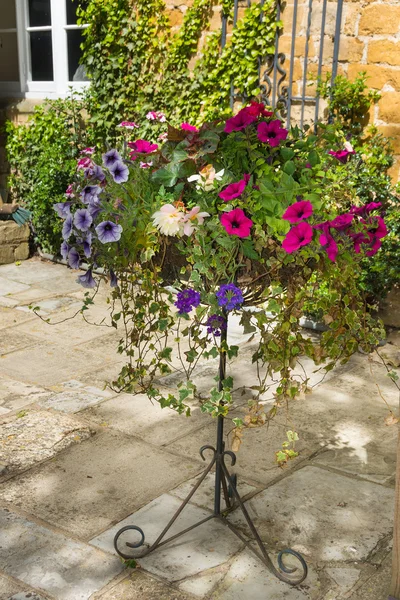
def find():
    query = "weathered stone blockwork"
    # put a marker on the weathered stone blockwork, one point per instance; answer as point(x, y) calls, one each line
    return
point(14, 242)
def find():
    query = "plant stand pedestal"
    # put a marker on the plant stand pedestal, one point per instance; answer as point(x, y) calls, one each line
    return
point(225, 483)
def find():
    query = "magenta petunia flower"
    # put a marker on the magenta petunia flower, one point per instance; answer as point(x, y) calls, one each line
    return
point(374, 244)
point(236, 223)
point(298, 211)
point(141, 147)
point(329, 244)
point(341, 221)
point(366, 209)
point(358, 239)
point(341, 155)
point(242, 120)
point(299, 235)
point(271, 133)
point(377, 227)
point(257, 109)
point(234, 190)
point(188, 127)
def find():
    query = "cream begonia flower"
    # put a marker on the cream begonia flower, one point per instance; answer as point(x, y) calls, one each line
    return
point(206, 178)
point(192, 219)
point(168, 219)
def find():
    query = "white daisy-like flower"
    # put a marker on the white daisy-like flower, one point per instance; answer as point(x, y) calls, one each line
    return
point(168, 219)
point(206, 178)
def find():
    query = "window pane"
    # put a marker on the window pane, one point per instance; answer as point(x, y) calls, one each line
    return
point(39, 13)
point(76, 72)
point(41, 56)
point(7, 14)
point(9, 70)
point(71, 10)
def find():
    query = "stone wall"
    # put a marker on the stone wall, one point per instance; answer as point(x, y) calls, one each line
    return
point(14, 242)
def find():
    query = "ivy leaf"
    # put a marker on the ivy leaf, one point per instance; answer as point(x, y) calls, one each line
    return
point(249, 251)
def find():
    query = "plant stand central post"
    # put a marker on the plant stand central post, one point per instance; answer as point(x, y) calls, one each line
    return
point(227, 482)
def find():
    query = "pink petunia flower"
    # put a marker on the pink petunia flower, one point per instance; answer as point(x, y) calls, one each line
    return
point(341, 155)
point(329, 244)
point(89, 151)
point(84, 163)
point(242, 120)
point(236, 223)
point(341, 221)
point(271, 133)
point(299, 235)
point(298, 211)
point(141, 147)
point(234, 190)
point(128, 125)
point(69, 192)
point(188, 127)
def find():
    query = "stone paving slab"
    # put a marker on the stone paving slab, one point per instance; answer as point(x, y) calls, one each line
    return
point(10, 588)
point(7, 286)
point(205, 547)
point(256, 456)
point(94, 484)
point(50, 364)
point(140, 586)
point(12, 340)
point(323, 514)
point(15, 395)
point(249, 579)
point(10, 317)
point(33, 271)
point(377, 585)
point(49, 561)
point(379, 468)
point(46, 307)
point(202, 585)
point(72, 401)
point(34, 436)
point(137, 415)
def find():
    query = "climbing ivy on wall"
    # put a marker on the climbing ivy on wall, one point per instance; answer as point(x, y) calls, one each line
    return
point(136, 62)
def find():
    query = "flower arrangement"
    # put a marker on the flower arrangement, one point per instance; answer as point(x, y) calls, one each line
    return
point(233, 214)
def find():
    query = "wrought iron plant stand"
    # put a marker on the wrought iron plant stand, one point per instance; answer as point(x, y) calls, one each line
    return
point(225, 482)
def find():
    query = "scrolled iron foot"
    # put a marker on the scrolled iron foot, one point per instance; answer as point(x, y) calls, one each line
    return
point(128, 544)
point(284, 569)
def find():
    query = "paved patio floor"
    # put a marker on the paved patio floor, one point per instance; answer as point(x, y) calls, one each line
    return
point(78, 461)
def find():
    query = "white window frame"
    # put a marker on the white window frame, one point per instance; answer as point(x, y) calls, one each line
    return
point(60, 85)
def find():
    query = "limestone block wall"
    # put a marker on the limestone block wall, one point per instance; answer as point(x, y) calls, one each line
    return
point(14, 242)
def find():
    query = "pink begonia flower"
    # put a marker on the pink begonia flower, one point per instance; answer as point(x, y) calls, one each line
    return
point(193, 218)
point(299, 235)
point(141, 147)
point(128, 125)
point(342, 155)
point(84, 163)
point(145, 165)
point(271, 133)
point(188, 127)
point(234, 190)
point(242, 120)
point(236, 223)
point(69, 192)
point(89, 151)
point(154, 115)
point(298, 211)
point(377, 226)
point(341, 221)
point(329, 244)
point(168, 219)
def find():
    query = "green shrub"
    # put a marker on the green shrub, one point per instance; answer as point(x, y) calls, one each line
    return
point(43, 156)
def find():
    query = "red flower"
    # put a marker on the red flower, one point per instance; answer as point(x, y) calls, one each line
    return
point(234, 190)
point(236, 223)
point(271, 133)
point(298, 211)
point(299, 235)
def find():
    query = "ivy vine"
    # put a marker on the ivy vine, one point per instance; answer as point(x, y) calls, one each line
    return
point(136, 62)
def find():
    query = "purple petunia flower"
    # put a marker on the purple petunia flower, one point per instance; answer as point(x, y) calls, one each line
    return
point(67, 228)
point(186, 300)
point(110, 158)
point(87, 280)
point(113, 279)
point(229, 296)
point(64, 249)
point(87, 245)
point(63, 209)
point(107, 231)
point(82, 219)
point(90, 193)
point(271, 133)
point(98, 173)
point(216, 324)
point(120, 172)
point(95, 209)
point(74, 260)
